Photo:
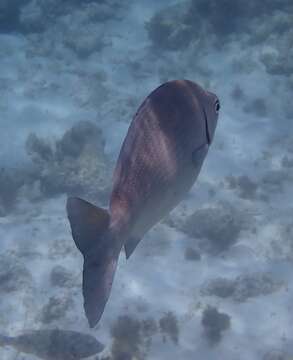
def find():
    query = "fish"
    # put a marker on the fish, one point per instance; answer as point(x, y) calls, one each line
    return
point(54, 344)
point(159, 161)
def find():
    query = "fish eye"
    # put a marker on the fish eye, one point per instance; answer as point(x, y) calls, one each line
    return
point(217, 106)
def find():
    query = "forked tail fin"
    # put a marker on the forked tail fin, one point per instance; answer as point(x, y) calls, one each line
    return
point(90, 232)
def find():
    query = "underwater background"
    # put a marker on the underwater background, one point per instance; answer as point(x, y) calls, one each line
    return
point(213, 279)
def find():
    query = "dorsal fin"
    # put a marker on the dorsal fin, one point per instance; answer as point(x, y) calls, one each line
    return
point(130, 246)
point(88, 222)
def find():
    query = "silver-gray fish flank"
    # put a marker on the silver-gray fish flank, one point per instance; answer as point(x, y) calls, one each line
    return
point(159, 161)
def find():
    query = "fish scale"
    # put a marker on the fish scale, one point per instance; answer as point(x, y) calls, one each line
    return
point(148, 184)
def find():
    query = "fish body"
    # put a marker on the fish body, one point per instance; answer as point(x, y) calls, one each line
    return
point(160, 158)
point(54, 344)
point(159, 161)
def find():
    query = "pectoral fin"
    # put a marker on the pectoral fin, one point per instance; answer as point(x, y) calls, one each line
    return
point(130, 246)
point(198, 155)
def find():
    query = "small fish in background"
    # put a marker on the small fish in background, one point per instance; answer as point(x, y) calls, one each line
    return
point(54, 344)
point(159, 162)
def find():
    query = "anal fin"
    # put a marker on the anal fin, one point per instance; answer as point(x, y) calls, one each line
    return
point(130, 246)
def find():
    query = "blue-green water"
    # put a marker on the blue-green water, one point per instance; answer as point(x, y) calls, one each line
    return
point(212, 279)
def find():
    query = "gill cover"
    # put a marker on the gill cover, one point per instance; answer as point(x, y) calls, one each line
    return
point(211, 107)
